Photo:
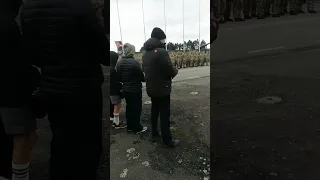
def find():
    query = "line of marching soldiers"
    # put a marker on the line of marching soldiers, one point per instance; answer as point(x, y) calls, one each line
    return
point(186, 59)
point(247, 9)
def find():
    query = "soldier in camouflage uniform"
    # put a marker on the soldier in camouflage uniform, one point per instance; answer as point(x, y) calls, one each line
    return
point(275, 8)
point(260, 9)
point(193, 59)
point(248, 9)
point(220, 8)
point(238, 10)
point(180, 59)
point(292, 7)
point(310, 6)
point(188, 59)
point(198, 59)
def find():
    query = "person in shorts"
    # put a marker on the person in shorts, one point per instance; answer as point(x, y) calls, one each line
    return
point(115, 93)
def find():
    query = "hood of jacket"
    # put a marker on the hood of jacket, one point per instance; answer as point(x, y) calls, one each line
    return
point(129, 50)
point(153, 43)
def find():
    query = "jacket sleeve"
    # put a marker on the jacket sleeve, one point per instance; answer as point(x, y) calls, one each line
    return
point(141, 74)
point(168, 68)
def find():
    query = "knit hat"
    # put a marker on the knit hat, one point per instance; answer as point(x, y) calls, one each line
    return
point(158, 34)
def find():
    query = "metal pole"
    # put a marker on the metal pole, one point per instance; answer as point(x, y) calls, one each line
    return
point(183, 24)
point(144, 25)
point(199, 25)
point(120, 28)
point(165, 21)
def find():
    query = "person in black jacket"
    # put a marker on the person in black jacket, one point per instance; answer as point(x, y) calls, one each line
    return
point(18, 119)
point(65, 40)
point(130, 74)
point(115, 92)
point(159, 72)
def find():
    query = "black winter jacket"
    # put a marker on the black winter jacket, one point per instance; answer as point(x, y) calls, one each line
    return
point(115, 85)
point(158, 69)
point(15, 69)
point(130, 74)
point(64, 39)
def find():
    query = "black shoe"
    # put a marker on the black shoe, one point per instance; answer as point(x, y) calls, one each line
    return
point(247, 17)
point(173, 143)
point(293, 13)
point(144, 129)
point(261, 17)
point(301, 11)
point(276, 15)
point(221, 21)
point(253, 15)
point(228, 19)
point(312, 11)
point(121, 125)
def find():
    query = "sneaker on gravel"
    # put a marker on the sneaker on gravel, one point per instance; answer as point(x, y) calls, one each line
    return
point(144, 129)
point(121, 125)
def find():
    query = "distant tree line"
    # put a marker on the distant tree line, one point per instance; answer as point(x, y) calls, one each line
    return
point(189, 45)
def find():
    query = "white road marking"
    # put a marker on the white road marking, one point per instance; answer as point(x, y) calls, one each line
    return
point(267, 49)
point(192, 77)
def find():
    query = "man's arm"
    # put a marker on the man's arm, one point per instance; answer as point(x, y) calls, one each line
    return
point(169, 69)
point(141, 74)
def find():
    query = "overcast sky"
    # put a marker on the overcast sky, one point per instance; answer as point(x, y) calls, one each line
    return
point(131, 19)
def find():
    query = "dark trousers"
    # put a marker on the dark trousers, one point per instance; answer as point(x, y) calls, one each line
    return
point(133, 110)
point(6, 144)
point(161, 106)
point(76, 145)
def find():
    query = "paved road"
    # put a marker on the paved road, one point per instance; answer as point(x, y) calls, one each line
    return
point(258, 37)
point(279, 141)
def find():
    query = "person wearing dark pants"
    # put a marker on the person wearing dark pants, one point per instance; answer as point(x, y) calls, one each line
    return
point(76, 135)
point(131, 76)
point(161, 106)
point(159, 72)
point(71, 80)
point(133, 110)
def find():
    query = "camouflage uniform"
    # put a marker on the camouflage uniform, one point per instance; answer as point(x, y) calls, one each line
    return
point(247, 9)
point(292, 6)
point(310, 6)
point(275, 8)
point(180, 59)
point(220, 8)
point(198, 59)
point(238, 9)
point(260, 8)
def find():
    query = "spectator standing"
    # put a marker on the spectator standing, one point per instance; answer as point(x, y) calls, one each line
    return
point(131, 76)
point(159, 72)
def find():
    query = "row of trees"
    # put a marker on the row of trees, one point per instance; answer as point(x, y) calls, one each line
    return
point(189, 45)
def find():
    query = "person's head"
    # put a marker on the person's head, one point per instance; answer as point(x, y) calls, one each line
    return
point(113, 58)
point(129, 50)
point(159, 34)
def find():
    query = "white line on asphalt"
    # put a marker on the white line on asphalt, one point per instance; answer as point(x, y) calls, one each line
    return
point(262, 50)
point(192, 77)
